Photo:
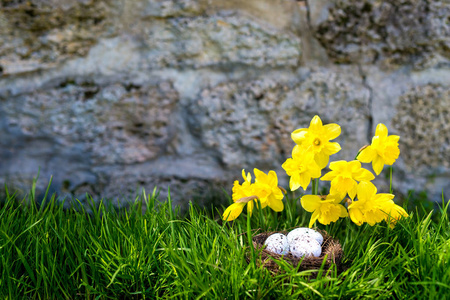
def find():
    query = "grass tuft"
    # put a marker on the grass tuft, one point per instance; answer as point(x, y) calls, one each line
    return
point(47, 252)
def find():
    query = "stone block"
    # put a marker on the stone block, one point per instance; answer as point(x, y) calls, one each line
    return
point(249, 123)
point(390, 33)
point(218, 40)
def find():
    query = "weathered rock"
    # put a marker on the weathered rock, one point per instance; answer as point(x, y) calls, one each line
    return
point(391, 33)
point(113, 96)
point(170, 8)
point(117, 123)
point(249, 124)
point(38, 35)
point(218, 40)
point(197, 179)
point(423, 122)
point(407, 102)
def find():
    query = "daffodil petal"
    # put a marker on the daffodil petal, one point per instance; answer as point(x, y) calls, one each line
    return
point(272, 178)
point(329, 176)
point(331, 148)
point(321, 159)
point(352, 192)
point(298, 135)
point(332, 130)
point(304, 180)
point(354, 165)
point(393, 139)
point(315, 172)
point(367, 155)
point(391, 154)
point(233, 211)
point(365, 190)
point(298, 151)
point(310, 202)
point(294, 182)
point(314, 218)
point(356, 216)
point(335, 197)
point(259, 175)
point(316, 124)
point(288, 166)
point(344, 212)
point(341, 194)
point(343, 184)
point(377, 165)
point(381, 130)
point(364, 175)
point(276, 205)
point(338, 165)
point(398, 212)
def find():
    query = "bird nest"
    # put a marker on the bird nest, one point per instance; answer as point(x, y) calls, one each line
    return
point(331, 254)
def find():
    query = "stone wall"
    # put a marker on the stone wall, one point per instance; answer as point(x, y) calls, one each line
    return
point(110, 96)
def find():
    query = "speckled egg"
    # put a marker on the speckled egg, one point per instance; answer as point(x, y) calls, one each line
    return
point(305, 247)
point(277, 243)
point(303, 232)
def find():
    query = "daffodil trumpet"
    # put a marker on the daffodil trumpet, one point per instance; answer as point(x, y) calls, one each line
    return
point(263, 192)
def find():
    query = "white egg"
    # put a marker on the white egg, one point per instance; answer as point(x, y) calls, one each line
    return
point(305, 247)
point(277, 243)
point(304, 232)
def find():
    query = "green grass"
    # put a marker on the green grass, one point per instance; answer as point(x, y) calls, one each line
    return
point(48, 252)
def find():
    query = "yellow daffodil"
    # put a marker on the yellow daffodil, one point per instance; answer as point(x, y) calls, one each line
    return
point(269, 183)
point(318, 137)
point(301, 168)
point(325, 211)
point(344, 176)
point(372, 207)
point(233, 211)
point(384, 149)
point(265, 190)
point(395, 214)
point(244, 190)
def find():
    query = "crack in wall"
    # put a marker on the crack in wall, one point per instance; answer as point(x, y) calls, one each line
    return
point(308, 15)
point(370, 104)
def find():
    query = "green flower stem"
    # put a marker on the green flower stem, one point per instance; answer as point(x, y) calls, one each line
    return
point(274, 220)
point(261, 217)
point(390, 179)
point(249, 237)
point(315, 186)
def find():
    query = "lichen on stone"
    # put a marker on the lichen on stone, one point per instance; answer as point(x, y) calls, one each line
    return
point(40, 34)
point(114, 123)
point(391, 33)
point(423, 123)
point(250, 123)
point(218, 40)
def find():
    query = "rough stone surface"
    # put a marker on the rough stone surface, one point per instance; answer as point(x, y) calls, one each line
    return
point(113, 96)
point(40, 34)
point(250, 123)
point(423, 122)
point(220, 40)
point(391, 33)
point(118, 123)
point(170, 8)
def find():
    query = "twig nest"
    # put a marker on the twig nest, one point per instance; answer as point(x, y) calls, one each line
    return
point(331, 253)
